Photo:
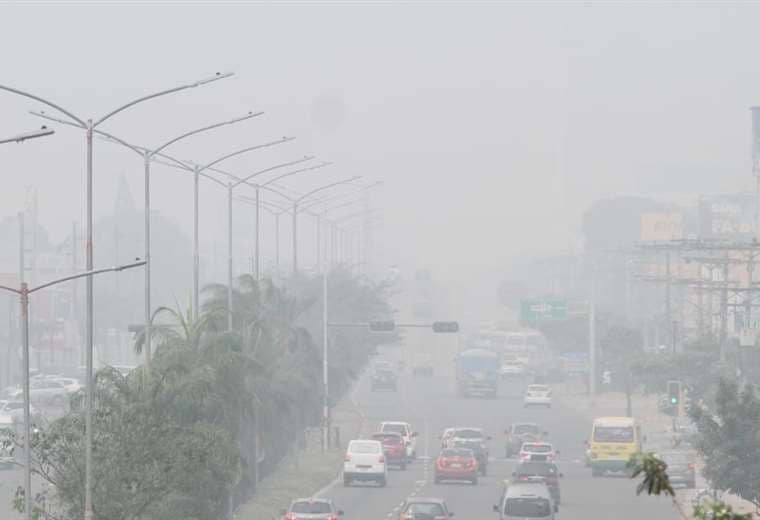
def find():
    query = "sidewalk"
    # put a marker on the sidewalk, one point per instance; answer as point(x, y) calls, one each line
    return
point(306, 471)
point(652, 420)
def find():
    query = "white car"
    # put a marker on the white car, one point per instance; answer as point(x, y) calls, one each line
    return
point(48, 391)
point(70, 384)
point(15, 410)
point(513, 368)
point(409, 436)
point(538, 395)
point(538, 452)
point(364, 461)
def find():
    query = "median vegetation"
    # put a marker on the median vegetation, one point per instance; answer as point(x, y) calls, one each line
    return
point(190, 435)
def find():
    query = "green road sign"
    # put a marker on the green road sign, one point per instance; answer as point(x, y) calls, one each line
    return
point(542, 310)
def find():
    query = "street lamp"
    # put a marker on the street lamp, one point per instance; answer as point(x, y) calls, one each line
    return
point(148, 155)
point(88, 126)
point(24, 291)
point(246, 180)
point(26, 136)
point(298, 200)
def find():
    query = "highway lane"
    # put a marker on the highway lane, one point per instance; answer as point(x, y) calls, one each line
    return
point(430, 405)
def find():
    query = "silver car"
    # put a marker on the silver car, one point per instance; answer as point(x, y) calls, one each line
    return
point(311, 509)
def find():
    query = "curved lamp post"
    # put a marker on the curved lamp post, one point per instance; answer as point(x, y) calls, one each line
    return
point(88, 126)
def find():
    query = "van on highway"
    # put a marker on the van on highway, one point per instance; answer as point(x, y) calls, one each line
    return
point(525, 501)
point(613, 441)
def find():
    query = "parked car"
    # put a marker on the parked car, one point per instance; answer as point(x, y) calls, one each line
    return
point(538, 395)
point(15, 410)
point(394, 448)
point(365, 461)
point(47, 391)
point(519, 433)
point(456, 464)
point(420, 508)
point(311, 509)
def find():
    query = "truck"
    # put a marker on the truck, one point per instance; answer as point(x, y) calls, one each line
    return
point(477, 372)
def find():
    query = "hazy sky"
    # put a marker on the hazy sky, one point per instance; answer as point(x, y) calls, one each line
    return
point(492, 126)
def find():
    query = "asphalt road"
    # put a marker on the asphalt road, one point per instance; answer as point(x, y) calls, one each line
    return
point(430, 405)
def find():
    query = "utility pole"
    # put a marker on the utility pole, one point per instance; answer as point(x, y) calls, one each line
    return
point(592, 337)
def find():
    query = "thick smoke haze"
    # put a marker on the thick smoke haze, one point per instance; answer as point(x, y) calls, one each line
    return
point(491, 126)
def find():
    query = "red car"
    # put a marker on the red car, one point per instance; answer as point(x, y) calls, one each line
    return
point(456, 464)
point(394, 448)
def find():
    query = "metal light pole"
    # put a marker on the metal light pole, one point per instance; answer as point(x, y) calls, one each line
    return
point(325, 391)
point(88, 126)
point(34, 134)
point(148, 155)
point(295, 214)
point(24, 291)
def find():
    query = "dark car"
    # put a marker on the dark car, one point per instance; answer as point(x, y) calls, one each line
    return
point(681, 467)
point(419, 508)
point(519, 433)
point(478, 448)
point(312, 509)
point(547, 471)
point(384, 378)
point(393, 447)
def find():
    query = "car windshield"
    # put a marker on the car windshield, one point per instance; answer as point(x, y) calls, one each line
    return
point(364, 447)
point(537, 448)
point(397, 428)
point(677, 458)
point(456, 452)
point(468, 434)
point(533, 468)
point(425, 508)
point(613, 434)
point(388, 439)
point(533, 507)
point(310, 508)
point(521, 429)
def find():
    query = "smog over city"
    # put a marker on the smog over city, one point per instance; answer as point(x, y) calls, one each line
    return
point(379, 260)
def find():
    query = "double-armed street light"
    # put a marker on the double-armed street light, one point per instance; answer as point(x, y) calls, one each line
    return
point(26, 136)
point(24, 291)
point(149, 155)
point(89, 125)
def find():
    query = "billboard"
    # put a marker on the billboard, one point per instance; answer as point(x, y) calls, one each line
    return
point(728, 217)
point(659, 226)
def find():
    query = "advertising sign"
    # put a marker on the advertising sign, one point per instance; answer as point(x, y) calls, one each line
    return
point(661, 226)
point(729, 217)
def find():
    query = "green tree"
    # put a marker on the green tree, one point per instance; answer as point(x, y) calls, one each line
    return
point(729, 440)
point(655, 481)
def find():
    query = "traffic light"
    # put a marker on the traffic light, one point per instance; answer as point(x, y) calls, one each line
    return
point(674, 394)
point(446, 326)
point(382, 326)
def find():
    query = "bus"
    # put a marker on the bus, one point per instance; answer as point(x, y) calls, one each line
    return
point(614, 440)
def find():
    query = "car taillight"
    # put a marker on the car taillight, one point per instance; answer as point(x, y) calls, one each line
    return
point(381, 459)
point(291, 516)
point(471, 462)
point(692, 466)
point(332, 517)
point(347, 458)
